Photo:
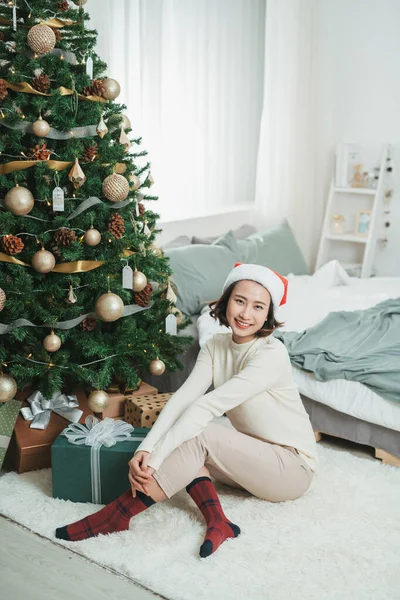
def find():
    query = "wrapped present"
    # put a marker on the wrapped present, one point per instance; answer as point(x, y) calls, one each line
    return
point(9, 412)
point(90, 461)
point(38, 426)
point(116, 408)
point(142, 411)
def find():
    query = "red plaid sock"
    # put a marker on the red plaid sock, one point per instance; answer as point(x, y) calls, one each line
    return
point(113, 517)
point(219, 528)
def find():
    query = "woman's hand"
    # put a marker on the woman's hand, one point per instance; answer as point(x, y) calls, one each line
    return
point(140, 474)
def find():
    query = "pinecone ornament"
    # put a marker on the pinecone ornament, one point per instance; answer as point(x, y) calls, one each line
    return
point(141, 208)
point(89, 153)
point(12, 244)
point(40, 152)
point(116, 226)
point(96, 88)
point(89, 324)
point(65, 237)
point(63, 6)
point(57, 33)
point(41, 83)
point(3, 89)
point(143, 298)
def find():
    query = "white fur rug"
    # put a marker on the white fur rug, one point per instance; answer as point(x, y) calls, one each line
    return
point(341, 541)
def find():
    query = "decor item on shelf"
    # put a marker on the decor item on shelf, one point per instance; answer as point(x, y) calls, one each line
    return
point(357, 181)
point(347, 154)
point(363, 222)
point(338, 224)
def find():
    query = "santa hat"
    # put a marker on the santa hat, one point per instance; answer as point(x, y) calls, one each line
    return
point(272, 281)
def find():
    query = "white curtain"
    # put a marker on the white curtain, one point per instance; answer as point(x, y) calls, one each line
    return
point(286, 157)
point(191, 74)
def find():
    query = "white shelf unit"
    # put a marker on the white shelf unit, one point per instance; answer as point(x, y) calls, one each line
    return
point(351, 249)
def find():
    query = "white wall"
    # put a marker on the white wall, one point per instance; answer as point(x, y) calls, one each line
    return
point(358, 93)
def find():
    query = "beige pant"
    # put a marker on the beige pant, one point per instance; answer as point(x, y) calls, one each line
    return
point(268, 471)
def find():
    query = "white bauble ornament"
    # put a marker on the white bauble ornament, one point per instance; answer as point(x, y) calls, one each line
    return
point(43, 261)
point(157, 367)
point(8, 387)
point(40, 127)
point(115, 187)
point(3, 298)
point(19, 201)
point(109, 307)
point(41, 39)
point(92, 237)
point(139, 281)
point(52, 342)
point(98, 401)
point(112, 88)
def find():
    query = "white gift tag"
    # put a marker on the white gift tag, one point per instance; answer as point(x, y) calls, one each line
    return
point(171, 325)
point(127, 277)
point(89, 67)
point(58, 199)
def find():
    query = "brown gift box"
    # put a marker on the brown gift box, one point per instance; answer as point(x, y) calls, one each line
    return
point(29, 448)
point(142, 411)
point(116, 408)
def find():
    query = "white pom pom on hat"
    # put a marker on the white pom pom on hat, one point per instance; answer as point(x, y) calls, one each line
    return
point(272, 281)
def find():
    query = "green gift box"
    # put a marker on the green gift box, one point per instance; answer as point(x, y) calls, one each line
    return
point(90, 465)
point(8, 417)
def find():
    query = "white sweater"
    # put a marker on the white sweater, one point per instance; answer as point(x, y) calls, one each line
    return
point(253, 385)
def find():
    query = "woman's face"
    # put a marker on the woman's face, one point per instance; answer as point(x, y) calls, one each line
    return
point(247, 310)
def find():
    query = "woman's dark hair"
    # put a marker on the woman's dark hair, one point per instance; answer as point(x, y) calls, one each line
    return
point(218, 311)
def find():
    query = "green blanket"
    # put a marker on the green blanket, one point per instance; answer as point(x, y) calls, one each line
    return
point(363, 346)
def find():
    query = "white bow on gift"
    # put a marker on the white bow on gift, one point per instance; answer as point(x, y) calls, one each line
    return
point(40, 409)
point(95, 433)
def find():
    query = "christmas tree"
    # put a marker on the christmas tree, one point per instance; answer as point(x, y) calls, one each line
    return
point(85, 293)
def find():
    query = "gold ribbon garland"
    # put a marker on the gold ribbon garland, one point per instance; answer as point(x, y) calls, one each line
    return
point(78, 266)
point(57, 165)
point(26, 88)
point(50, 22)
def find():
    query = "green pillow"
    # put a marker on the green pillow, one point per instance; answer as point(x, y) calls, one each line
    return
point(276, 249)
point(200, 270)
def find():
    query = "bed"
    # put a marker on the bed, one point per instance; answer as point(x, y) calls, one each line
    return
point(345, 409)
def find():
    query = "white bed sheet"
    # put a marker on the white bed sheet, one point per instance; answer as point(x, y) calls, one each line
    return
point(310, 299)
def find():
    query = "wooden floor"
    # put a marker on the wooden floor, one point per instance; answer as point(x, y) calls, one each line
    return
point(34, 568)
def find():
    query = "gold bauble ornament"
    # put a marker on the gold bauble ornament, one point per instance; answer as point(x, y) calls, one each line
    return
point(156, 251)
point(98, 401)
point(40, 127)
point(139, 281)
point(157, 367)
point(43, 261)
point(76, 175)
point(8, 387)
point(135, 181)
point(92, 237)
point(119, 121)
point(3, 298)
point(52, 342)
point(109, 307)
point(41, 39)
point(19, 201)
point(115, 187)
point(112, 88)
